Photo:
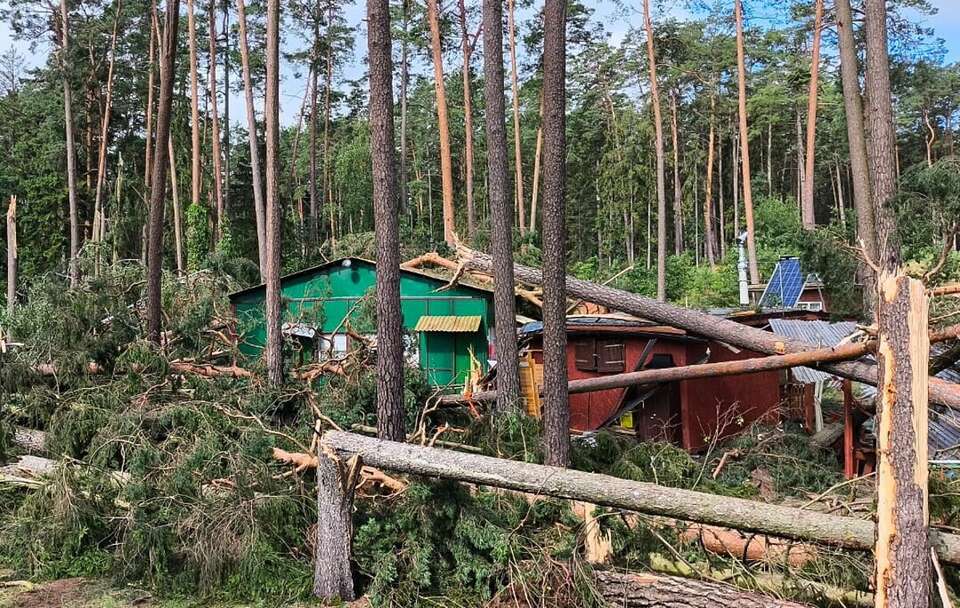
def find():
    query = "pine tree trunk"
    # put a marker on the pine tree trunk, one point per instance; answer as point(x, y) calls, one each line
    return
point(219, 221)
point(227, 125)
point(443, 124)
point(467, 122)
point(258, 205)
point(168, 58)
point(273, 210)
point(71, 147)
point(501, 211)
point(677, 188)
point(327, 108)
point(195, 174)
point(556, 402)
point(808, 210)
point(735, 173)
point(153, 26)
point(535, 184)
point(661, 185)
point(177, 215)
point(721, 219)
point(708, 200)
point(314, 219)
point(404, 80)
point(390, 411)
point(98, 206)
point(642, 590)
point(515, 95)
point(336, 482)
point(12, 257)
point(745, 148)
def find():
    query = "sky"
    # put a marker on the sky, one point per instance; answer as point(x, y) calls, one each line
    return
point(946, 25)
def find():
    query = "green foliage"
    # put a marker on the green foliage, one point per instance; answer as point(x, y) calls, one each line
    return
point(198, 235)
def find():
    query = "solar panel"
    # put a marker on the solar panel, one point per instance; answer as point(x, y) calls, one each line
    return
point(785, 286)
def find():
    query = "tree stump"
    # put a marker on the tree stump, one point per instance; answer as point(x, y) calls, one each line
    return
point(336, 481)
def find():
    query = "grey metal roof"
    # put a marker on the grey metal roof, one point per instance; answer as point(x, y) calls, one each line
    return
point(819, 333)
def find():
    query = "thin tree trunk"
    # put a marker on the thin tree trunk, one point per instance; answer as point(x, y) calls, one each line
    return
point(808, 209)
point(314, 219)
point(840, 201)
point(501, 211)
point(258, 205)
point(931, 139)
point(149, 139)
point(404, 80)
point(770, 160)
point(327, 106)
point(535, 185)
point(745, 147)
point(443, 124)
point(195, 174)
point(226, 109)
point(219, 220)
point(97, 235)
point(158, 185)
point(515, 94)
point(12, 257)
point(390, 410)
point(735, 173)
point(177, 215)
point(71, 149)
point(720, 211)
point(677, 188)
point(273, 211)
point(661, 186)
point(708, 200)
point(467, 121)
point(556, 408)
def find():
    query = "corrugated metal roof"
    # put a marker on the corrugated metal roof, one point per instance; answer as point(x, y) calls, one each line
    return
point(818, 333)
point(449, 324)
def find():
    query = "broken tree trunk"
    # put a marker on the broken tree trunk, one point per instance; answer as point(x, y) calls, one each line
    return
point(644, 590)
point(706, 370)
point(603, 490)
point(707, 325)
point(903, 572)
point(336, 481)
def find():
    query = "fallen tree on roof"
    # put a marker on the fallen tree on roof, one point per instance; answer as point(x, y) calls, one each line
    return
point(843, 352)
point(686, 505)
point(704, 324)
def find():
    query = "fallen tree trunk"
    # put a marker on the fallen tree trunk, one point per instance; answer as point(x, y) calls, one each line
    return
point(704, 324)
point(687, 505)
point(689, 372)
point(644, 590)
point(30, 440)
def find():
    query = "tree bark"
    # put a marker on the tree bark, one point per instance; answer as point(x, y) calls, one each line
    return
point(515, 95)
point(12, 256)
point(148, 121)
point(881, 154)
point(690, 372)
point(175, 203)
point(703, 324)
point(314, 220)
point(336, 482)
point(808, 209)
point(219, 219)
point(535, 183)
point(158, 187)
point(501, 211)
point(556, 403)
point(643, 590)
point(71, 146)
point(677, 187)
point(467, 122)
point(404, 81)
point(195, 175)
point(273, 210)
point(661, 186)
point(258, 205)
point(903, 571)
point(604, 490)
point(745, 147)
point(443, 124)
point(709, 240)
point(327, 108)
point(390, 411)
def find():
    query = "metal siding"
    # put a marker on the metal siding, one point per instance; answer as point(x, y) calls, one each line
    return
point(449, 324)
point(819, 333)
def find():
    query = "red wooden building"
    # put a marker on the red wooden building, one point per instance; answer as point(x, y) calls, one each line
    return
point(689, 412)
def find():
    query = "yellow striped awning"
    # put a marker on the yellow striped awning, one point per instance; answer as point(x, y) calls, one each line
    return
point(449, 324)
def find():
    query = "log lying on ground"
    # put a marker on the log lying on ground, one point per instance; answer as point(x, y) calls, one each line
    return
point(749, 547)
point(687, 505)
point(844, 352)
point(30, 440)
point(643, 590)
point(704, 324)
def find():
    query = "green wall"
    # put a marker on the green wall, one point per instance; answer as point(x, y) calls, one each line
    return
point(323, 296)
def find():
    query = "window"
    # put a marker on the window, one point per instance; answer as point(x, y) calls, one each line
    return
point(813, 306)
point(603, 356)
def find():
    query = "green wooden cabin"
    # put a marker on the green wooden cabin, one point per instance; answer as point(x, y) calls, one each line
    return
point(443, 325)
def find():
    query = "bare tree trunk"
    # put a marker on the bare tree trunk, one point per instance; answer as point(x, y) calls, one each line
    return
point(12, 257)
point(177, 215)
point(931, 139)
point(745, 148)
point(98, 206)
point(643, 590)
point(661, 186)
point(808, 209)
point(515, 94)
point(327, 180)
point(467, 121)
point(840, 198)
point(336, 482)
point(404, 81)
point(903, 571)
point(677, 188)
point(535, 185)
point(195, 170)
point(258, 205)
point(71, 149)
point(708, 201)
point(273, 210)
point(167, 62)
point(390, 411)
point(556, 402)
point(720, 211)
point(148, 120)
point(501, 211)
point(314, 219)
point(443, 124)
point(735, 173)
point(219, 219)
